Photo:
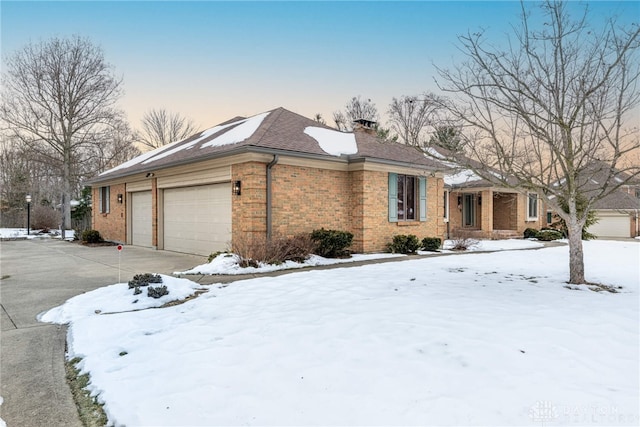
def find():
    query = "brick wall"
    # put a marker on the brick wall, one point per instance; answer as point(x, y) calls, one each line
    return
point(307, 198)
point(112, 225)
point(377, 231)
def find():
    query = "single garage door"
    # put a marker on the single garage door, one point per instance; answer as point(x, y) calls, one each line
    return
point(611, 224)
point(197, 220)
point(141, 218)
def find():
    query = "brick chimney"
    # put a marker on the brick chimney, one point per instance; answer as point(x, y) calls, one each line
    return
point(364, 125)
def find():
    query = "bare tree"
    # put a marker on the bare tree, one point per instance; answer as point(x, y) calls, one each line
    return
point(58, 99)
point(412, 117)
point(161, 127)
point(550, 111)
point(318, 118)
point(355, 109)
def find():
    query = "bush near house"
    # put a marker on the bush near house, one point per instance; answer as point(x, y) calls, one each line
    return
point(545, 234)
point(462, 241)
point(277, 250)
point(331, 243)
point(549, 234)
point(431, 244)
point(91, 236)
point(404, 244)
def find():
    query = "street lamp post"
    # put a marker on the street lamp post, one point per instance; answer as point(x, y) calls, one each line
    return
point(28, 214)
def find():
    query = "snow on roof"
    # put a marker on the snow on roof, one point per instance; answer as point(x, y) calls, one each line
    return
point(244, 129)
point(141, 158)
point(462, 177)
point(333, 142)
point(205, 134)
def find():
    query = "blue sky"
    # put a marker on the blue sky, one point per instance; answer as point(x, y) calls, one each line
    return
point(211, 61)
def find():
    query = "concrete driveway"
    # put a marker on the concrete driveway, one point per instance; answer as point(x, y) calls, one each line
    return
point(36, 275)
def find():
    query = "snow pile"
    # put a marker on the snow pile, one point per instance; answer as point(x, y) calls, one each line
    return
point(228, 264)
point(333, 142)
point(117, 298)
point(471, 339)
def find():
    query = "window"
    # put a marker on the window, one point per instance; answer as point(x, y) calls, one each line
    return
point(469, 210)
point(407, 198)
point(549, 217)
point(532, 206)
point(104, 199)
point(445, 205)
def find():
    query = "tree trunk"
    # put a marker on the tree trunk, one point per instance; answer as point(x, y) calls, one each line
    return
point(576, 254)
point(66, 195)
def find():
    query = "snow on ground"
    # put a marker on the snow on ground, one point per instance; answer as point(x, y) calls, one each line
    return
point(19, 233)
point(471, 339)
point(227, 263)
point(2, 423)
point(118, 298)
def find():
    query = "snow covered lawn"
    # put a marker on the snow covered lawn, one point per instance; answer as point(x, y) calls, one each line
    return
point(21, 233)
point(227, 263)
point(473, 339)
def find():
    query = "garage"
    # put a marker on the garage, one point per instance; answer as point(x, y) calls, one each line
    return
point(611, 224)
point(197, 219)
point(141, 219)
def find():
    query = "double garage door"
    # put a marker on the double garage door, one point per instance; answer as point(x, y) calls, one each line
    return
point(195, 220)
point(611, 224)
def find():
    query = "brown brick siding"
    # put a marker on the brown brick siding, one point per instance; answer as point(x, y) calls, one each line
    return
point(498, 211)
point(112, 225)
point(306, 198)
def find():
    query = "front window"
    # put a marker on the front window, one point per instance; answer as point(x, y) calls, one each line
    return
point(104, 199)
point(445, 205)
point(469, 210)
point(532, 206)
point(406, 198)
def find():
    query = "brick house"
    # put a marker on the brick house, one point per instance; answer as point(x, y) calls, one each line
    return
point(275, 173)
point(484, 210)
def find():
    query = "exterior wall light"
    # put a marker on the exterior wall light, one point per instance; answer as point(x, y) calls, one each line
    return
point(120, 198)
point(237, 188)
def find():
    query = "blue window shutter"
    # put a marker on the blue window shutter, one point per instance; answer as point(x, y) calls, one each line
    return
point(423, 198)
point(393, 197)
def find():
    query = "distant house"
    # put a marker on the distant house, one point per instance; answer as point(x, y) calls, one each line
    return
point(275, 173)
point(617, 212)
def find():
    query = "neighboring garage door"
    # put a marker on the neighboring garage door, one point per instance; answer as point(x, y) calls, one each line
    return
point(611, 224)
point(197, 220)
point(141, 218)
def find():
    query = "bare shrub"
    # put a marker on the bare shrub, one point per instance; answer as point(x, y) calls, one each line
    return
point(44, 217)
point(278, 249)
point(462, 241)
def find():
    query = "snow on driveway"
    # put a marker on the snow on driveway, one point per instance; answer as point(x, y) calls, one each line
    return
point(474, 339)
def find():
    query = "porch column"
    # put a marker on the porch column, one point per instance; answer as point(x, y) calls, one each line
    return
point(486, 218)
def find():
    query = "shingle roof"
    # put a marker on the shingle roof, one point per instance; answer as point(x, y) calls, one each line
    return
point(278, 131)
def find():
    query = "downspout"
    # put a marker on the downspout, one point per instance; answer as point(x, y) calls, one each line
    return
point(269, 195)
point(637, 225)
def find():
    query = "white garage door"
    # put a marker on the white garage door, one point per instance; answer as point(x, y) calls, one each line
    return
point(141, 218)
point(197, 220)
point(611, 225)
